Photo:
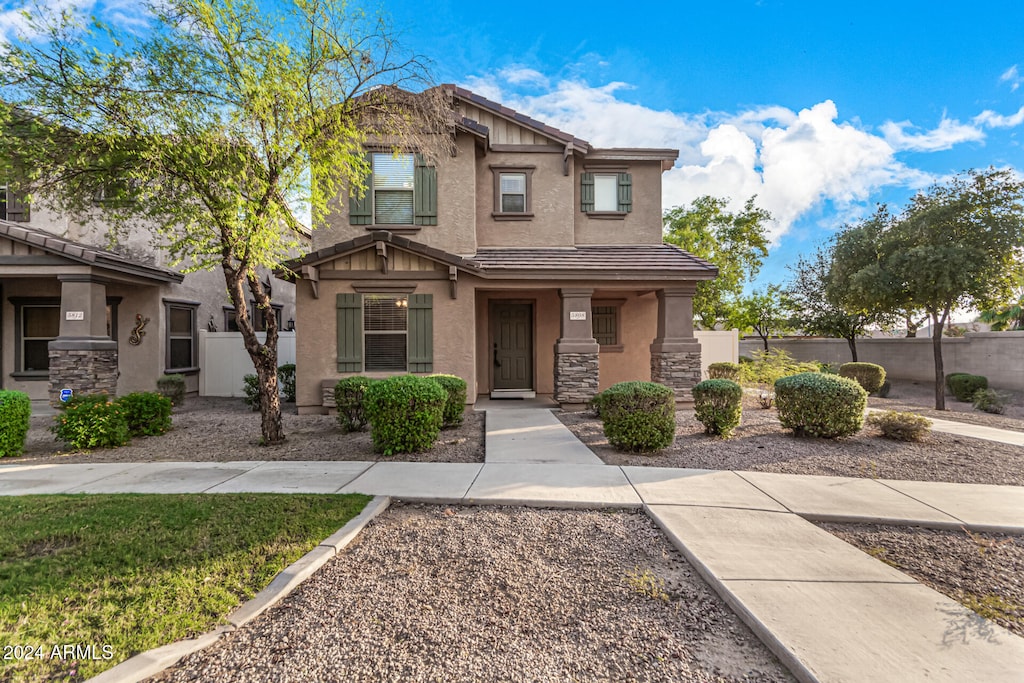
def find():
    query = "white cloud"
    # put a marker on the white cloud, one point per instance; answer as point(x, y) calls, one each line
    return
point(990, 119)
point(129, 14)
point(1011, 76)
point(949, 133)
point(519, 75)
point(15, 25)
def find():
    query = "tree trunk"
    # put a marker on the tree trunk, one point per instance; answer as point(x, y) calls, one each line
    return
point(764, 339)
point(852, 343)
point(940, 379)
point(263, 356)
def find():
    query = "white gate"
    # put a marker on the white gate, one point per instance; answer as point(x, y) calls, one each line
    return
point(223, 361)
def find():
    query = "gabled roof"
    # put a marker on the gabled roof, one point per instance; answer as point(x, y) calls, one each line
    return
point(84, 254)
point(625, 262)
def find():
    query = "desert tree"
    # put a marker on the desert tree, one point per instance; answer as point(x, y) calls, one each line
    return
point(214, 126)
point(766, 313)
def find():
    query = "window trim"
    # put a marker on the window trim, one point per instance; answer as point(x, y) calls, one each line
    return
point(527, 214)
point(596, 170)
point(19, 303)
point(404, 333)
point(373, 190)
point(616, 304)
point(193, 308)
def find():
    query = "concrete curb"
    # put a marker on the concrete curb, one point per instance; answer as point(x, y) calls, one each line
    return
point(152, 662)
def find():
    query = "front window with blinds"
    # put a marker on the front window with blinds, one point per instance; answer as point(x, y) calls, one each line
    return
point(393, 184)
point(40, 324)
point(385, 332)
point(513, 192)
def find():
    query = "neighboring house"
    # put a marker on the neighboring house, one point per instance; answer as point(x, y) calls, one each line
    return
point(71, 310)
point(527, 262)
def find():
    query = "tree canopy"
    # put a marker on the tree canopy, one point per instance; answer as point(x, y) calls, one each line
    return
point(735, 242)
point(958, 244)
point(213, 126)
point(765, 312)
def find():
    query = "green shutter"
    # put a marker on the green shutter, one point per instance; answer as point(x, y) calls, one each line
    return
point(350, 333)
point(360, 209)
point(421, 333)
point(586, 192)
point(17, 207)
point(625, 192)
point(425, 193)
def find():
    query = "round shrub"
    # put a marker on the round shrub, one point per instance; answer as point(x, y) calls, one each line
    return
point(868, 375)
point(597, 403)
point(718, 404)
point(965, 386)
point(729, 371)
point(405, 413)
point(15, 409)
point(813, 404)
point(455, 405)
point(148, 413)
point(251, 388)
point(901, 426)
point(639, 417)
point(173, 387)
point(950, 376)
point(286, 378)
point(348, 398)
point(883, 391)
point(91, 422)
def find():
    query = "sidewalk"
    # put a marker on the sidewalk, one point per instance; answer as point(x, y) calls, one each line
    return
point(829, 611)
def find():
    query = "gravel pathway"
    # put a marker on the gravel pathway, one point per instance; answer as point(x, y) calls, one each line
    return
point(495, 594)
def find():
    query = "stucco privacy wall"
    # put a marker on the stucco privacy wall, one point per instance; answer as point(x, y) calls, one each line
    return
point(316, 345)
point(999, 356)
point(717, 346)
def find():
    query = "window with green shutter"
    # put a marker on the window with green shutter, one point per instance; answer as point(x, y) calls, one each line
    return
point(400, 190)
point(606, 192)
point(385, 333)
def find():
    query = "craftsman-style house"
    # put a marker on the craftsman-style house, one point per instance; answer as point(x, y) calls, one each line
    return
point(526, 262)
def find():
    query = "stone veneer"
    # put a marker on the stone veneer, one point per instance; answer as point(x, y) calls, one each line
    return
point(679, 370)
point(576, 377)
point(84, 371)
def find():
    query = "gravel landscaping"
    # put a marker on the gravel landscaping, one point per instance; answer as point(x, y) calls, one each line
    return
point(495, 594)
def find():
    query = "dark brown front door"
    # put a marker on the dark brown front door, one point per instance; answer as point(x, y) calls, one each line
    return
point(512, 345)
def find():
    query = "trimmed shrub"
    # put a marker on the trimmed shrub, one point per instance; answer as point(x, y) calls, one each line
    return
point(639, 417)
point(251, 387)
point(147, 413)
point(813, 404)
point(718, 404)
point(348, 397)
point(405, 413)
point(730, 371)
point(286, 378)
point(990, 401)
point(950, 376)
point(965, 386)
point(868, 375)
point(91, 422)
point(597, 403)
point(901, 426)
point(15, 409)
point(173, 387)
point(455, 405)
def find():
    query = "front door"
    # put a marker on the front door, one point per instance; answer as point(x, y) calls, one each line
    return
point(512, 345)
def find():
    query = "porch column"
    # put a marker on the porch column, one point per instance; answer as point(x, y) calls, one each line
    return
point(576, 351)
point(675, 353)
point(83, 358)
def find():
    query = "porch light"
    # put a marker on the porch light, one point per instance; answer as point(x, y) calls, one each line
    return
point(402, 303)
point(291, 325)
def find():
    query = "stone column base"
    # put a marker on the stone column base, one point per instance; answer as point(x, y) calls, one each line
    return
point(90, 370)
point(678, 370)
point(576, 378)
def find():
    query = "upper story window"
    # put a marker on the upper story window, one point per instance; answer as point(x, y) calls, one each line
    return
point(12, 207)
point(513, 187)
point(606, 194)
point(401, 191)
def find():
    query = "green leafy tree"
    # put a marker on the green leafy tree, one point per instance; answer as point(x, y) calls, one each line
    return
point(212, 126)
point(959, 244)
point(765, 313)
point(821, 308)
point(1006, 317)
point(735, 242)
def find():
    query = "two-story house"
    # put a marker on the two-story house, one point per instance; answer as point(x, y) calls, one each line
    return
point(75, 315)
point(526, 262)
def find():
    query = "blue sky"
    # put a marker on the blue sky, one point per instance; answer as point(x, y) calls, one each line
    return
point(821, 109)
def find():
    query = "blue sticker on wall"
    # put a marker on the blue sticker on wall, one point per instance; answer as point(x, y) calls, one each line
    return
point(65, 395)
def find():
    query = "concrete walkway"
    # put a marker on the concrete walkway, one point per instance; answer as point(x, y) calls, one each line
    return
point(829, 611)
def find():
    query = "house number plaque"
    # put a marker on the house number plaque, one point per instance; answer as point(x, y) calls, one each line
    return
point(577, 315)
point(74, 315)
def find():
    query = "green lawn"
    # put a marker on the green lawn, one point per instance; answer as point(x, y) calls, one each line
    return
point(116, 575)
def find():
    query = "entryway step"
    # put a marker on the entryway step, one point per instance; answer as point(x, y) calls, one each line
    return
point(513, 393)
